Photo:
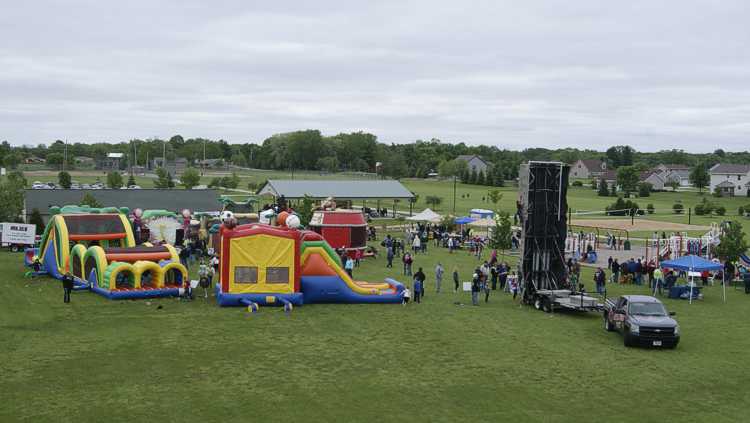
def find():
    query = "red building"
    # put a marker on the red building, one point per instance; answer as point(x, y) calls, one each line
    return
point(341, 228)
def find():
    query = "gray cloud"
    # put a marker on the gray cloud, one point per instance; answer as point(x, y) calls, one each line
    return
point(669, 74)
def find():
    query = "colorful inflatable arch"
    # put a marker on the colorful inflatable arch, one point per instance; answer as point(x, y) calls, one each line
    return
point(267, 265)
point(97, 247)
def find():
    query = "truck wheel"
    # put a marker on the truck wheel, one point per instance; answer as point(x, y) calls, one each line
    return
point(627, 339)
point(538, 303)
point(607, 325)
point(14, 248)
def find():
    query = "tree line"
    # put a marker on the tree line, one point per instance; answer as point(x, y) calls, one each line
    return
point(354, 152)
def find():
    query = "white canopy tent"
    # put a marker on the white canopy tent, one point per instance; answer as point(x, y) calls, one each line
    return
point(426, 215)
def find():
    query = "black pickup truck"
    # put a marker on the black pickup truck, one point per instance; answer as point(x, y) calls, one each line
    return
point(643, 321)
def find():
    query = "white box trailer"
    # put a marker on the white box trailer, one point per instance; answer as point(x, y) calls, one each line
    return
point(17, 236)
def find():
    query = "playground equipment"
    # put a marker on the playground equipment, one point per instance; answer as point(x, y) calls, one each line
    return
point(679, 245)
point(97, 247)
point(284, 266)
point(341, 228)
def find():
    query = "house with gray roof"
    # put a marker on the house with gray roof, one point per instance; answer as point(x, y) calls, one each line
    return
point(475, 163)
point(731, 179)
point(588, 169)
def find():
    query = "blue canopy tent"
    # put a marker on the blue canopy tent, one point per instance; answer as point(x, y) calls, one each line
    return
point(693, 263)
point(463, 220)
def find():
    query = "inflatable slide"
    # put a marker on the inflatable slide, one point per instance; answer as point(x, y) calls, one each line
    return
point(97, 247)
point(745, 260)
point(270, 265)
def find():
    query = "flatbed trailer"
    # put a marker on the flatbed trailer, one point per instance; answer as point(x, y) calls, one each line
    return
point(549, 300)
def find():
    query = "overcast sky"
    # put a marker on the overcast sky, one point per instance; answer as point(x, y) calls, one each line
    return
point(515, 74)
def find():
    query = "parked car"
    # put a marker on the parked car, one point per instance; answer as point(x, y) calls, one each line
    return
point(97, 185)
point(642, 320)
point(134, 187)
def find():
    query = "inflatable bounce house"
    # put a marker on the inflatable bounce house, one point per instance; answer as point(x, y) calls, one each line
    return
point(97, 247)
point(282, 265)
point(341, 228)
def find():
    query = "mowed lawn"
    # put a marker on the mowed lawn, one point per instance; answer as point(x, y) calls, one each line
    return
point(442, 360)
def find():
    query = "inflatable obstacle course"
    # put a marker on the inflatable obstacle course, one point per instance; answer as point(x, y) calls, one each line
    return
point(97, 247)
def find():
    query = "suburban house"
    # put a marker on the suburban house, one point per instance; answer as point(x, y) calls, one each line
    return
point(588, 169)
point(675, 172)
point(83, 160)
point(731, 179)
point(475, 163)
point(175, 167)
point(113, 161)
point(654, 178)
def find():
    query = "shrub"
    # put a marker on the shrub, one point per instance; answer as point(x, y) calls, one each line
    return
point(717, 192)
point(593, 184)
point(741, 211)
point(644, 189)
point(650, 208)
point(678, 208)
point(622, 207)
point(704, 207)
point(720, 210)
point(577, 184)
point(603, 189)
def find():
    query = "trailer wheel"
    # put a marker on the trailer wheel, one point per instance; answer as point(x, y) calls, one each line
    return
point(546, 305)
point(14, 248)
point(538, 303)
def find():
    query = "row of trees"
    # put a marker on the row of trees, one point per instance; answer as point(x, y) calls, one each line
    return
point(355, 151)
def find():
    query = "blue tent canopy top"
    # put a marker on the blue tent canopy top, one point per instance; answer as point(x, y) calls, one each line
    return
point(463, 220)
point(691, 263)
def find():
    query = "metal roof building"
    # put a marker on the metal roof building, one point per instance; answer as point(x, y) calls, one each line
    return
point(154, 199)
point(345, 190)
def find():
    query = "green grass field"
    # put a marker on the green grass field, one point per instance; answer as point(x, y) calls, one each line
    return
point(98, 360)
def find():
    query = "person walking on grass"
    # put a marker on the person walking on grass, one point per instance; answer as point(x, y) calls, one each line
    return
point(407, 264)
point(420, 276)
point(406, 296)
point(455, 279)
point(513, 284)
point(67, 283)
point(439, 271)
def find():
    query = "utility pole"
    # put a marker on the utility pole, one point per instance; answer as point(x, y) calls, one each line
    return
point(65, 154)
point(454, 194)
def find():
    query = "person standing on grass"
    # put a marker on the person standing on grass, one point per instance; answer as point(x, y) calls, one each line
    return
point(455, 279)
point(609, 263)
point(503, 275)
point(475, 287)
point(420, 276)
point(657, 281)
point(389, 256)
point(615, 271)
point(407, 264)
point(349, 266)
point(486, 288)
point(493, 275)
point(439, 271)
point(67, 283)
point(416, 244)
